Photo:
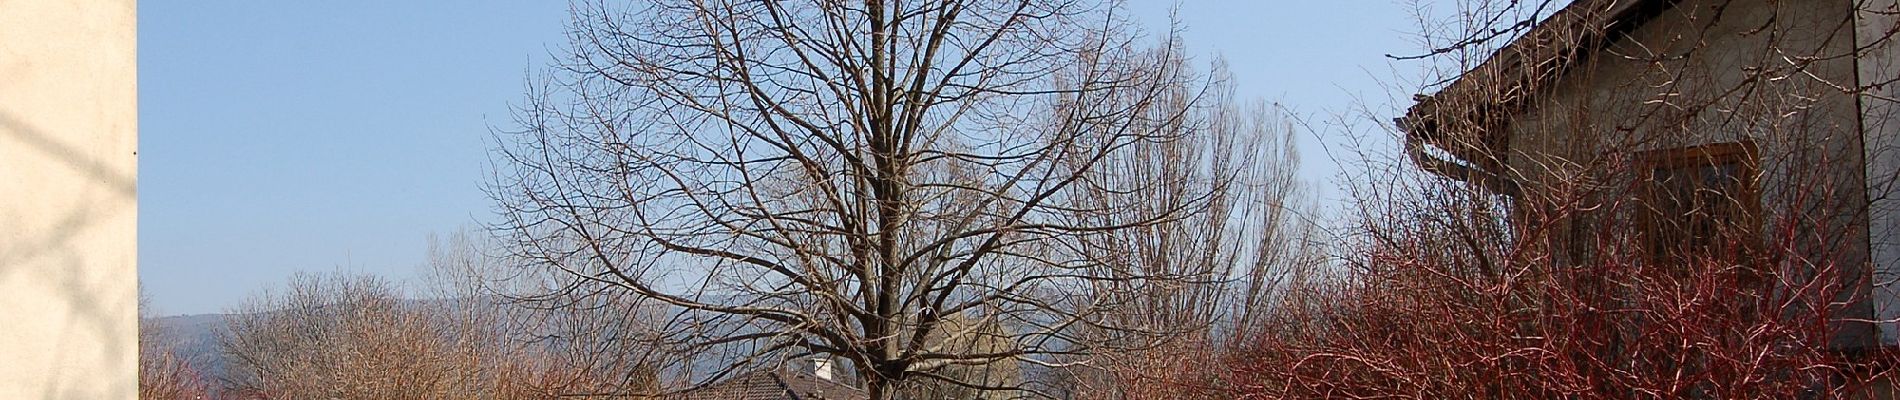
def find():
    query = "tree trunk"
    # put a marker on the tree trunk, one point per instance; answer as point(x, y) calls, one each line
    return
point(877, 389)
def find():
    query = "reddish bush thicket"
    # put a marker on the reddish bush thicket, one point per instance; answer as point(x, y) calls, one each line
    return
point(164, 374)
point(1573, 264)
point(1449, 293)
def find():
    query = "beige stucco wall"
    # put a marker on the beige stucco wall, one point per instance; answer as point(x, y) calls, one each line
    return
point(1618, 99)
point(68, 199)
point(1879, 68)
point(1671, 83)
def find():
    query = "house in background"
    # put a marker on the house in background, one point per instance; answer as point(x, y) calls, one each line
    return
point(827, 379)
point(1708, 113)
point(821, 383)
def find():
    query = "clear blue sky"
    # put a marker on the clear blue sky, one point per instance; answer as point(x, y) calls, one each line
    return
point(283, 136)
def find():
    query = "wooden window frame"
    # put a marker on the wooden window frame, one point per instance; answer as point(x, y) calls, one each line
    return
point(1744, 155)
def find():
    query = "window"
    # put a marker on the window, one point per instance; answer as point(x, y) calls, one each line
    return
point(1699, 202)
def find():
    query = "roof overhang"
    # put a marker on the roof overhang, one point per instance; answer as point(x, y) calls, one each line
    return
point(1462, 132)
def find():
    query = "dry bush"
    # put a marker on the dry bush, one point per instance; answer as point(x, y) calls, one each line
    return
point(572, 344)
point(353, 337)
point(1442, 306)
point(346, 336)
point(165, 373)
point(1550, 255)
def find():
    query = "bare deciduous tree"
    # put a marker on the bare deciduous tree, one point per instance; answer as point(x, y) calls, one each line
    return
point(580, 344)
point(1249, 235)
point(837, 179)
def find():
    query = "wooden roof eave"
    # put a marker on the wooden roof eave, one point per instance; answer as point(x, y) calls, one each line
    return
point(1468, 119)
point(1486, 176)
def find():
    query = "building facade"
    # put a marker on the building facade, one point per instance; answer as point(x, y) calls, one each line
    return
point(68, 199)
point(1703, 116)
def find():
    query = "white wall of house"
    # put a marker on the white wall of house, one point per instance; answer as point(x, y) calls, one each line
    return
point(68, 199)
point(1809, 133)
point(1880, 132)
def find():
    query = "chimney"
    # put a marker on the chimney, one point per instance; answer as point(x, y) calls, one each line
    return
point(821, 366)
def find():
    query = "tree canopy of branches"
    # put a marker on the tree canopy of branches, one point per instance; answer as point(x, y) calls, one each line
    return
point(839, 179)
